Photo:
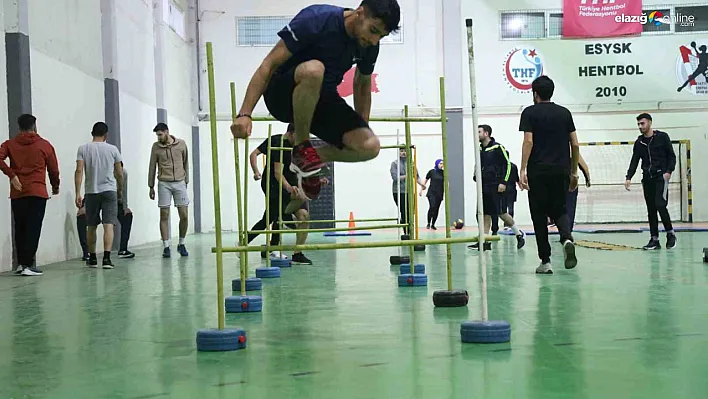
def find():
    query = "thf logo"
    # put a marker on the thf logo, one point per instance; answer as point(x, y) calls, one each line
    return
point(596, 2)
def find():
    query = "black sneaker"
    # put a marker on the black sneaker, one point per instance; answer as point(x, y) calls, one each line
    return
point(670, 241)
point(92, 261)
point(300, 259)
point(653, 244)
point(126, 255)
point(569, 259)
point(107, 264)
point(487, 246)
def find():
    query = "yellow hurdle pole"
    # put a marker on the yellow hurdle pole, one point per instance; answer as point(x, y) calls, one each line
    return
point(217, 193)
point(280, 194)
point(410, 182)
point(268, 155)
point(241, 228)
point(446, 181)
point(415, 197)
point(360, 245)
point(246, 155)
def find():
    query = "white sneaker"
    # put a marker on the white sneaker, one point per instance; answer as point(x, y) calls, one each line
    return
point(278, 255)
point(19, 269)
point(544, 268)
point(569, 255)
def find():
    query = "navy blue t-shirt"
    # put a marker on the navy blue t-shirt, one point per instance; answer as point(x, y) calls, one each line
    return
point(317, 33)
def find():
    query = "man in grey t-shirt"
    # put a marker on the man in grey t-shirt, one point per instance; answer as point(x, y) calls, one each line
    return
point(103, 187)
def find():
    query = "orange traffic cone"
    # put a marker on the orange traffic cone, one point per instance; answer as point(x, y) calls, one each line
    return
point(351, 220)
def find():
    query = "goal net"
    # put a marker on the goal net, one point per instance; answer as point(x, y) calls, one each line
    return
point(607, 201)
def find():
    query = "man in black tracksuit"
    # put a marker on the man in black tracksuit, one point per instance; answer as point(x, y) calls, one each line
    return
point(655, 150)
point(496, 179)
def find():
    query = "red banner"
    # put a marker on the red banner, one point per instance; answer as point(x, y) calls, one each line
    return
point(602, 18)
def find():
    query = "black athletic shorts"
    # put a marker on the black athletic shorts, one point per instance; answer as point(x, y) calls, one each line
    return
point(494, 203)
point(333, 117)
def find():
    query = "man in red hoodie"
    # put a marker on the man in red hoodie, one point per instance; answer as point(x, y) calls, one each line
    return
point(31, 157)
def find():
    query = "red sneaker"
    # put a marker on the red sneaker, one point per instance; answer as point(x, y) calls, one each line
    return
point(306, 162)
point(311, 187)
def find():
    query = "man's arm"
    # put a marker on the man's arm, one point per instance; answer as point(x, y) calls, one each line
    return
point(118, 173)
point(506, 165)
point(670, 155)
point(526, 148)
point(574, 153)
point(53, 170)
point(362, 94)
point(152, 167)
point(584, 167)
point(185, 164)
point(4, 153)
point(78, 177)
point(633, 163)
point(278, 172)
point(253, 158)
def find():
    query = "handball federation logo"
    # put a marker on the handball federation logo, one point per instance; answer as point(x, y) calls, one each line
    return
point(521, 67)
point(692, 68)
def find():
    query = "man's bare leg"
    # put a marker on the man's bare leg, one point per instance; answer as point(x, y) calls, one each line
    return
point(487, 224)
point(304, 218)
point(306, 95)
point(359, 145)
point(520, 236)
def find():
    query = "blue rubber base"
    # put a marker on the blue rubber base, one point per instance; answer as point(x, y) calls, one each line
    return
point(252, 284)
point(485, 332)
point(345, 234)
point(243, 304)
point(281, 263)
point(405, 268)
point(586, 231)
point(412, 280)
point(214, 340)
point(268, 272)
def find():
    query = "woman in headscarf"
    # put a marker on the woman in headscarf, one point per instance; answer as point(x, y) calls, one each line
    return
point(435, 193)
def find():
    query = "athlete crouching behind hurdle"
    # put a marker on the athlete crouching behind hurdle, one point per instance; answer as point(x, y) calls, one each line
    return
point(298, 80)
point(294, 202)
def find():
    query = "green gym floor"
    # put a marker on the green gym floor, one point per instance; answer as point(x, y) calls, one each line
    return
point(623, 324)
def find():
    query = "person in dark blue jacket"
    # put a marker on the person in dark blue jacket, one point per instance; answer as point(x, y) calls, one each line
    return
point(655, 150)
point(496, 178)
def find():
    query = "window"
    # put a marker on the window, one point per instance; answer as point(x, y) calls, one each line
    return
point(523, 25)
point(656, 27)
point(174, 17)
point(259, 31)
point(690, 19)
point(263, 31)
point(555, 25)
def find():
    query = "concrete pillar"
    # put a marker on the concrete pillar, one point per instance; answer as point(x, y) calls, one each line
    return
point(19, 82)
point(110, 84)
point(453, 33)
point(158, 13)
point(196, 181)
point(17, 59)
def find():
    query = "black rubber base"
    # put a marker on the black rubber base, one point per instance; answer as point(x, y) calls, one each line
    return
point(450, 299)
point(419, 248)
point(405, 237)
point(705, 255)
point(398, 260)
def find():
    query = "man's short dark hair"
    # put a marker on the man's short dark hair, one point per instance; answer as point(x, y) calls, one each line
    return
point(100, 129)
point(644, 115)
point(487, 129)
point(543, 86)
point(160, 127)
point(27, 122)
point(388, 11)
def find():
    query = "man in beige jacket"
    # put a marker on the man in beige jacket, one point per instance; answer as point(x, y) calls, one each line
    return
point(169, 157)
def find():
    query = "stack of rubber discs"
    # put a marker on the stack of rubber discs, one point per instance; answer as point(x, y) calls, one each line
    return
point(398, 260)
point(405, 268)
point(243, 304)
point(281, 262)
point(215, 340)
point(252, 284)
point(450, 299)
point(267, 272)
point(485, 332)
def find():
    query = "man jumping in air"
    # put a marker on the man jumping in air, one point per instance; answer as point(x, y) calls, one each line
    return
point(654, 148)
point(298, 80)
